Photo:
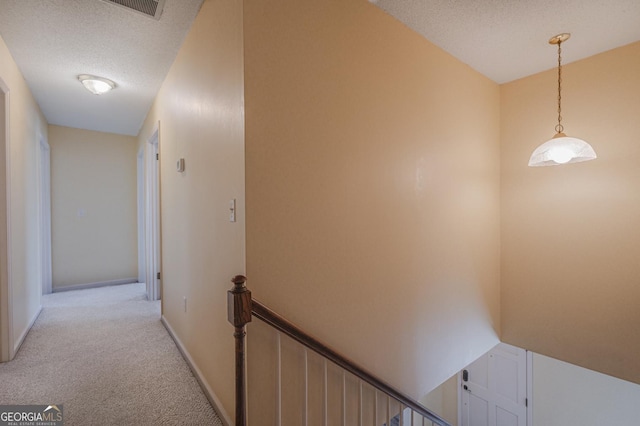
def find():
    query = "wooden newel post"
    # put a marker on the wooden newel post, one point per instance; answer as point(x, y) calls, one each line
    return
point(239, 314)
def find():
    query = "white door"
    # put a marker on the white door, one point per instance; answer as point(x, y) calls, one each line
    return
point(494, 388)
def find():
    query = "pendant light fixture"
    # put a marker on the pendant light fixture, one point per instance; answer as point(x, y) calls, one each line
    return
point(561, 149)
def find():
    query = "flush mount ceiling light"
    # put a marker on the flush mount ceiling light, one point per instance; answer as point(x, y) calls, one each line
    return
point(561, 149)
point(96, 85)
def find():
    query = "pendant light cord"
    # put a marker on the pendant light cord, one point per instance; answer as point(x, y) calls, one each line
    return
point(559, 127)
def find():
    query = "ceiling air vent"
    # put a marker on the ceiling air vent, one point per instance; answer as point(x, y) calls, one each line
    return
point(150, 8)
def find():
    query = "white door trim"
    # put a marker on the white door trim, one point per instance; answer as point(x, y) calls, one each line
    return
point(529, 388)
point(152, 216)
point(459, 397)
point(44, 190)
point(141, 220)
point(7, 350)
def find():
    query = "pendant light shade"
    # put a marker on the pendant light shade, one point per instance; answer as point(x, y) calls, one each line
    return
point(561, 149)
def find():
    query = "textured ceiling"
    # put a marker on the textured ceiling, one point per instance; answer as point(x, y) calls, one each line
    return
point(53, 41)
point(507, 39)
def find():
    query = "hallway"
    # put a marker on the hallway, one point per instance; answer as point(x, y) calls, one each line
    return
point(104, 355)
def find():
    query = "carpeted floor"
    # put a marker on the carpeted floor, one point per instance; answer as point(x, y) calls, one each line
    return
point(104, 355)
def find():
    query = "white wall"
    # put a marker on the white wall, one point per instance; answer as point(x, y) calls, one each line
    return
point(93, 197)
point(4, 249)
point(26, 126)
point(565, 394)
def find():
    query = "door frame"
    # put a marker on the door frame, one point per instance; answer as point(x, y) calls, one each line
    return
point(141, 216)
point(529, 388)
point(44, 207)
point(7, 350)
point(152, 216)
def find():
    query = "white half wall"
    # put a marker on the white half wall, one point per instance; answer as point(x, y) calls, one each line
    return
point(565, 394)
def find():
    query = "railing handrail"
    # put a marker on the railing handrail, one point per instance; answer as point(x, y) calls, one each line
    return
point(268, 316)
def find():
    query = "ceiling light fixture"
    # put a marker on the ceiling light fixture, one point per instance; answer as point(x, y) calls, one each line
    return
point(96, 85)
point(561, 149)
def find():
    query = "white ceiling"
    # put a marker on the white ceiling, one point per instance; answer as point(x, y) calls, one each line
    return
point(53, 41)
point(508, 39)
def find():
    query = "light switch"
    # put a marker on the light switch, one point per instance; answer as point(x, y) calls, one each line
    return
point(232, 210)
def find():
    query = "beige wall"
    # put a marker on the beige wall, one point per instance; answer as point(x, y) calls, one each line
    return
point(372, 167)
point(570, 234)
point(26, 127)
point(443, 400)
point(93, 199)
point(200, 109)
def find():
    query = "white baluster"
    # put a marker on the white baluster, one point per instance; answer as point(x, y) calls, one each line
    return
point(325, 386)
point(360, 403)
point(278, 380)
point(375, 406)
point(306, 388)
point(344, 398)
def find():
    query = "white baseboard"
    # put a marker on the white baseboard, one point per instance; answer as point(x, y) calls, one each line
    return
point(209, 393)
point(24, 333)
point(95, 285)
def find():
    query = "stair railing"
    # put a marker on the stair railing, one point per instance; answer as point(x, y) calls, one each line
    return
point(242, 307)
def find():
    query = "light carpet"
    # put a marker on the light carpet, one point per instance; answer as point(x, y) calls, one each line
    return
point(105, 356)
